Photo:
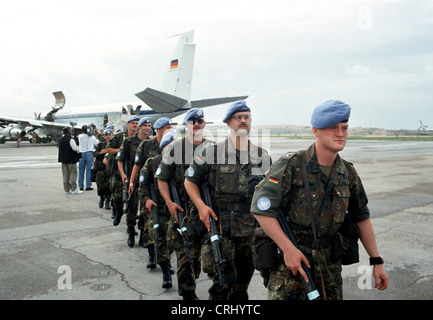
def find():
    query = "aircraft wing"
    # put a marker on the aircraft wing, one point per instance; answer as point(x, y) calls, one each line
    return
point(215, 101)
point(4, 121)
point(160, 101)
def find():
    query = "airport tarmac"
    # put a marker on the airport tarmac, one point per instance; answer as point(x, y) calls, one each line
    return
point(46, 235)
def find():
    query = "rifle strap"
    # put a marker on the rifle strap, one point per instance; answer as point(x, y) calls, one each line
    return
point(310, 209)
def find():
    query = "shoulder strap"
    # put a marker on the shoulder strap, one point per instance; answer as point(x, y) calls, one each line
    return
point(308, 193)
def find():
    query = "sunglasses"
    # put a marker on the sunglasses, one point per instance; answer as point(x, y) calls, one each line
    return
point(240, 116)
point(198, 120)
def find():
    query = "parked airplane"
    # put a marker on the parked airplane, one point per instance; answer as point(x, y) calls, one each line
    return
point(173, 100)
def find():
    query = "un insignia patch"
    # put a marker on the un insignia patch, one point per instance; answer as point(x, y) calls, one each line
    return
point(190, 172)
point(263, 203)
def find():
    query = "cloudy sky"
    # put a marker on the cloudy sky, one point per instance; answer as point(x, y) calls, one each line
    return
point(288, 56)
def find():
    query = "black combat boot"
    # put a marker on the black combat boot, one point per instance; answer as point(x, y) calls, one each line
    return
point(101, 201)
point(107, 203)
point(152, 262)
point(119, 214)
point(131, 236)
point(166, 276)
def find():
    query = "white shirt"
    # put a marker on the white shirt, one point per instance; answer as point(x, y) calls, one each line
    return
point(73, 145)
point(86, 143)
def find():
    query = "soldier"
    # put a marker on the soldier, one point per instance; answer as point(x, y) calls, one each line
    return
point(125, 161)
point(232, 169)
point(335, 189)
point(147, 177)
point(116, 179)
point(176, 159)
point(147, 149)
point(102, 176)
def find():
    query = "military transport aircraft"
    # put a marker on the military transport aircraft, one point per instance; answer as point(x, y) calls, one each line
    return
point(173, 100)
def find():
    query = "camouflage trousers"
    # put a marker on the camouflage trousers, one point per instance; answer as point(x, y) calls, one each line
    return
point(132, 210)
point(283, 285)
point(162, 249)
point(187, 274)
point(102, 184)
point(117, 191)
point(237, 270)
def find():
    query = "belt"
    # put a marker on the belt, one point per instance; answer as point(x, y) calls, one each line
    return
point(234, 206)
point(308, 241)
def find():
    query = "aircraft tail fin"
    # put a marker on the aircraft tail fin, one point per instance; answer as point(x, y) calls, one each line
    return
point(179, 76)
point(160, 101)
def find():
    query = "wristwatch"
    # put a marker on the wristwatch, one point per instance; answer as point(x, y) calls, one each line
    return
point(376, 260)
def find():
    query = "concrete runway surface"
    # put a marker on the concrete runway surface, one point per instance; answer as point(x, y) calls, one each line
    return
point(46, 235)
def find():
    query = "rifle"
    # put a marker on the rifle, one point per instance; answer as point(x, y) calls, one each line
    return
point(181, 217)
point(214, 237)
point(310, 287)
point(154, 197)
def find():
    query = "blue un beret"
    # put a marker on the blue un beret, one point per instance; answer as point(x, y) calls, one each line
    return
point(193, 114)
point(330, 113)
point(133, 118)
point(161, 122)
point(110, 127)
point(143, 121)
point(238, 106)
point(108, 131)
point(168, 137)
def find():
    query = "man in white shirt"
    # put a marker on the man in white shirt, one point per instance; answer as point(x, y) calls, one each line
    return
point(86, 145)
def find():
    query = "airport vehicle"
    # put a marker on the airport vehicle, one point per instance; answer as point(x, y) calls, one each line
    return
point(173, 100)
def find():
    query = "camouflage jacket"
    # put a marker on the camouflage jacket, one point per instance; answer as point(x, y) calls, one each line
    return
point(146, 178)
point(232, 191)
point(154, 150)
point(283, 188)
point(127, 152)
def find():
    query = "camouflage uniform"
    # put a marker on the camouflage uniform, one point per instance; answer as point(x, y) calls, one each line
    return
point(173, 166)
point(283, 189)
point(231, 197)
point(115, 177)
point(126, 155)
point(100, 168)
point(140, 159)
point(146, 179)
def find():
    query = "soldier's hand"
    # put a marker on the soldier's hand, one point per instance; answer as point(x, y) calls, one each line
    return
point(293, 260)
point(205, 212)
point(150, 204)
point(380, 277)
point(173, 207)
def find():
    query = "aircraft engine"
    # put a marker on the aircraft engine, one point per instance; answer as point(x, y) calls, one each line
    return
point(13, 132)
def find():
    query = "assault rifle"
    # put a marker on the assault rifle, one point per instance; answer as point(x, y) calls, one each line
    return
point(310, 287)
point(214, 237)
point(181, 218)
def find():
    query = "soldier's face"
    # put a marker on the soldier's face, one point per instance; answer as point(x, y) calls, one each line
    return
point(195, 127)
point(333, 138)
point(240, 121)
point(108, 137)
point(146, 128)
point(132, 125)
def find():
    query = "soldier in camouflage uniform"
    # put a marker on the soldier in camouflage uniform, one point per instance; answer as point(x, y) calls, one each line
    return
point(147, 178)
point(176, 159)
point(335, 189)
point(113, 148)
point(125, 160)
point(232, 168)
point(147, 149)
point(102, 178)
